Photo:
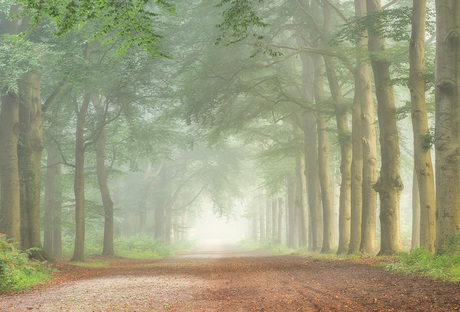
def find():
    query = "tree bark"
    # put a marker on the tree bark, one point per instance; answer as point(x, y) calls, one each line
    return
point(363, 85)
point(293, 235)
point(107, 247)
point(275, 219)
point(422, 150)
point(260, 203)
point(50, 191)
point(327, 196)
point(389, 185)
point(447, 136)
point(9, 136)
point(79, 182)
point(415, 242)
point(29, 159)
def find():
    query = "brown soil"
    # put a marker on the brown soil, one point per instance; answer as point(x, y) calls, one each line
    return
point(231, 280)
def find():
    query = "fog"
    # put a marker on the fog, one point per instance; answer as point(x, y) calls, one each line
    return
point(211, 228)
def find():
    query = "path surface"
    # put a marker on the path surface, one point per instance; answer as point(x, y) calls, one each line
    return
point(223, 278)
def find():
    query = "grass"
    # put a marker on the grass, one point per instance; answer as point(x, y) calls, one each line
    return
point(16, 270)
point(420, 261)
point(92, 264)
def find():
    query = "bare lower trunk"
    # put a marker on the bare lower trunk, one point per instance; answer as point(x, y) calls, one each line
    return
point(29, 160)
point(79, 183)
point(363, 85)
point(327, 196)
point(422, 151)
point(50, 191)
point(9, 135)
point(447, 137)
point(274, 219)
point(415, 243)
point(260, 203)
point(389, 185)
point(292, 235)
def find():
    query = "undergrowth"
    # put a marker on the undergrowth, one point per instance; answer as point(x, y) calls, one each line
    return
point(145, 247)
point(420, 261)
point(16, 270)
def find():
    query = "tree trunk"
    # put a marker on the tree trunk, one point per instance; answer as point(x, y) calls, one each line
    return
point(9, 135)
point(50, 191)
point(292, 217)
point(422, 153)
point(415, 243)
point(57, 234)
point(280, 219)
point(344, 141)
point(29, 159)
point(389, 185)
point(447, 137)
point(79, 183)
point(363, 85)
point(260, 202)
point(311, 156)
point(268, 219)
point(274, 219)
point(327, 196)
point(107, 247)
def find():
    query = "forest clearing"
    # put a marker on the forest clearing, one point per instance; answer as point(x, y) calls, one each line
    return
point(229, 279)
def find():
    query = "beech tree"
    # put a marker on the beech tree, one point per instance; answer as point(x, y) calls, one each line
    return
point(447, 132)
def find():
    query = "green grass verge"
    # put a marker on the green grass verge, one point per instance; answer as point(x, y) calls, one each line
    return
point(420, 261)
point(16, 270)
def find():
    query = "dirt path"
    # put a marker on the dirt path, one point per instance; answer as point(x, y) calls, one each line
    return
point(226, 279)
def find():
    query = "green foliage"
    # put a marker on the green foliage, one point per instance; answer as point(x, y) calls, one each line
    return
point(17, 57)
point(130, 21)
point(16, 270)
point(142, 247)
point(428, 139)
point(420, 261)
point(239, 20)
point(391, 23)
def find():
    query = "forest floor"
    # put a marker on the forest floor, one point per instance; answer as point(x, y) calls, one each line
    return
point(214, 278)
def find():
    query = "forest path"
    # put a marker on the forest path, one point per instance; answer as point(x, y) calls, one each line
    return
point(223, 278)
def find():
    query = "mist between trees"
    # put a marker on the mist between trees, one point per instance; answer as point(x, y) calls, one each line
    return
point(319, 117)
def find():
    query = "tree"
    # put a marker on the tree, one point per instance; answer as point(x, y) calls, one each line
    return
point(389, 185)
point(447, 131)
point(422, 154)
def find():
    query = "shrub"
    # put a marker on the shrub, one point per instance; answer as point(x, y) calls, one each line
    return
point(16, 270)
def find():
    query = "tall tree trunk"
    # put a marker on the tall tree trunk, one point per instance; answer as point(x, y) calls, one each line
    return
point(79, 182)
point(292, 217)
point(9, 135)
point(57, 233)
point(344, 141)
point(447, 137)
point(275, 219)
point(280, 219)
point(29, 159)
point(107, 247)
point(311, 155)
point(260, 202)
point(415, 242)
point(363, 89)
point(268, 219)
point(422, 153)
point(389, 185)
point(327, 194)
point(50, 191)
